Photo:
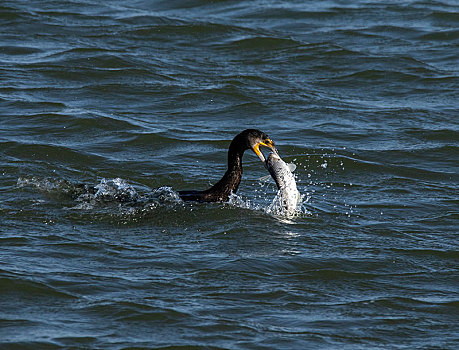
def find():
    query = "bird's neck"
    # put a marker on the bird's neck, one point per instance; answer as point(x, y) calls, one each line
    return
point(233, 174)
point(235, 158)
point(229, 183)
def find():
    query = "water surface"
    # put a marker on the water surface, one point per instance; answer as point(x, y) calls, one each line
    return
point(142, 99)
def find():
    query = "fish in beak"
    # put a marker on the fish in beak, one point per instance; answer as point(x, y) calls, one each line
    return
point(266, 143)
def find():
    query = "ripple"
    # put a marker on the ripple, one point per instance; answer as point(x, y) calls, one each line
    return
point(262, 43)
point(15, 285)
point(19, 50)
point(445, 35)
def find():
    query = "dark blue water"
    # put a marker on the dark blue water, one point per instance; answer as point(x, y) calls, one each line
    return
point(142, 99)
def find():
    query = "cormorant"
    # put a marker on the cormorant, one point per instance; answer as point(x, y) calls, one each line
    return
point(229, 183)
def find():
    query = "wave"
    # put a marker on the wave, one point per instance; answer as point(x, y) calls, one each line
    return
point(17, 284)
point(261, 43)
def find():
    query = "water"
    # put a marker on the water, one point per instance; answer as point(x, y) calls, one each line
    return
point(142, 99)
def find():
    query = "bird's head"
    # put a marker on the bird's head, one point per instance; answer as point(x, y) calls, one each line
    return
point(256, 139)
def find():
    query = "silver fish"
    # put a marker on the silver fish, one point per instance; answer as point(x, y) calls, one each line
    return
point(288, 195)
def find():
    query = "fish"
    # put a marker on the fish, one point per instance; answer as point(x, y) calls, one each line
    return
point(288, 197)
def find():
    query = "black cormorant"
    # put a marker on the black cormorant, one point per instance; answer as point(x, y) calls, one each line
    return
point(229, 183)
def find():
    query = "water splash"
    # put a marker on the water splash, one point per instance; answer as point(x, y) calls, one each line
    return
point(276, 207)
point(165, 194)
point(118, 197)
point(41, 184)
point(282, 204)
point(115, 191)
point(107, 191)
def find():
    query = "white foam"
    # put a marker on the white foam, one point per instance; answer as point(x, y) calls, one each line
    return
point(115, 189)
point(277, 207)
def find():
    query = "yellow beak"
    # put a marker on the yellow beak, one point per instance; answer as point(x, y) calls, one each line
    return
point(267, 143)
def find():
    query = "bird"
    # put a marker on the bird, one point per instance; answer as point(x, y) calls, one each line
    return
point(229, 183)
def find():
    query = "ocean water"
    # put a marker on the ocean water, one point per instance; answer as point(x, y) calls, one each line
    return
point(142, 98)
